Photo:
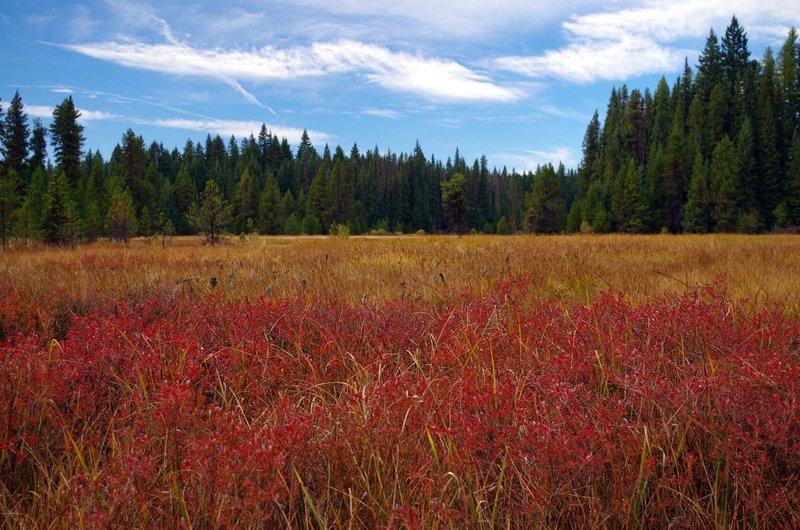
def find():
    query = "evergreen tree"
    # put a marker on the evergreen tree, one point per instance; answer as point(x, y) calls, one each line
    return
point(793, 183)
point(246, 202)
point(15, 141)
point(675, 176)
point(67, 137)
point(121, 222)
point(270, 218)
point(38, 146)
point(724, 187)
point(627, 204)
point(8, 202)
point(454, 201)
point(213, 215)
point(184, 198)
point(588, 171)
point(735, 55)
point(696, 211)
point(34, 199)
point(59, 223)
point(772, 182)
point(789, 67)
point(546, 208)
point(710, 68)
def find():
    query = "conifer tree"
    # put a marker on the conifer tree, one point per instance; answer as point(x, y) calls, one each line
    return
point(793, 183)
point(724, 187)
point(454, 201)
point(270, 220)
point(60, 222)
point(67, 137)
point(38, 146)
point(696, 214)
point(245, 202)
point(546, 211)
point(213, 215)
point(121, 222)
point(15, 141)
point(627, 203)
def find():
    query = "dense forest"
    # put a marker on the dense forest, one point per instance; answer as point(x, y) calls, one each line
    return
point(719, 151)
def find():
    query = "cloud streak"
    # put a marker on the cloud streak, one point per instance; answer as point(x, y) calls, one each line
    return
point(623, 43)
point(430, 78)
point(225, 128)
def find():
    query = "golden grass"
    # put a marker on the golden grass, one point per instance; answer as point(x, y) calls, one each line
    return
point(759, 269)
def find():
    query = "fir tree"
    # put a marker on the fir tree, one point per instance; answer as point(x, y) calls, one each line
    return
point(15, 141)
point(546, 206)
point(67, 137)
point(213, 215)
point(627, 203)
point(696, 214)
point(59, 223)
point(724, 187)
point(245, 201)
point(38, 146)
point(793, 183)
point(270, 220)
point(121, 222)
point(454, 201)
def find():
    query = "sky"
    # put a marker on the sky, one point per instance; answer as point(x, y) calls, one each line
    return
point(515, 80)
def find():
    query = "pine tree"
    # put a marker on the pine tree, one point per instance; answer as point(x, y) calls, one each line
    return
point(709, 69)
point(696, 214)
point(789, 68)
point(793, 183)
point(67, 137)
point(454, 201)
point(213, 215)
point(38, 146)
point(588, 171)
point(8, 202)
point(724, 188)
point(546, 208)
point(184, 198)
point(121, 222)
point(245, 202)
point(15, 140)
point(675, 176)
point(627, 204)
point(270, 220)
point(772, 182)
point(59, 223)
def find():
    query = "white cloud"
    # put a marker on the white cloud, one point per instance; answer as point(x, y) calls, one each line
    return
point(383, 113)
point(44, 111)
point(530, 159)
point(622, 43)
point(432, 78)
point(238, 128)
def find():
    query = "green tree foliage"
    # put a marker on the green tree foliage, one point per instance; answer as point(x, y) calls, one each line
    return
point(66, 135)
point(15, 141)
point(696, 211)
point(213, 215)
point(270, 216)
point(724, 186)
point(793, 184)
point(60, 221)
point(454, 201)
point(245, 201)
point(546, 212)
point(8, 202)
point(38, 146)
point(121, 222)
point(627, 204)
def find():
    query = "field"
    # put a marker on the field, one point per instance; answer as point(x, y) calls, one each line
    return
point(402, 382)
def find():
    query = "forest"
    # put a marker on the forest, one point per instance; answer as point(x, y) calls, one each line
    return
point(718, 151)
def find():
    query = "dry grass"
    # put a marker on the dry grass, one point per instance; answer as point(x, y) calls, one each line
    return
point(759, 269)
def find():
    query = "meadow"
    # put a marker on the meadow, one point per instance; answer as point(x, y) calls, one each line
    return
point(402, 382)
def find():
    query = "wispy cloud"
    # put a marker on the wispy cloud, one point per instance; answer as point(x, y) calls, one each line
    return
point(530, 159)
point(238, 128)
point(431, 78)
point(383, 113)
point(44, 111)
point(225, 128)
point(623, 43)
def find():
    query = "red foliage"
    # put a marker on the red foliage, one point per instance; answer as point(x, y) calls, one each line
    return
point(680, 411)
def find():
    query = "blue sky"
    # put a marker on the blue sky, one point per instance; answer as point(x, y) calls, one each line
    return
point(514, 80)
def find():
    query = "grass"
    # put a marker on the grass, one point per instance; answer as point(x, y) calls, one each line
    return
point(402, 382)
point(759, 269)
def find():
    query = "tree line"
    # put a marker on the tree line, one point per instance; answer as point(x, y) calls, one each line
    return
point(717, 151)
